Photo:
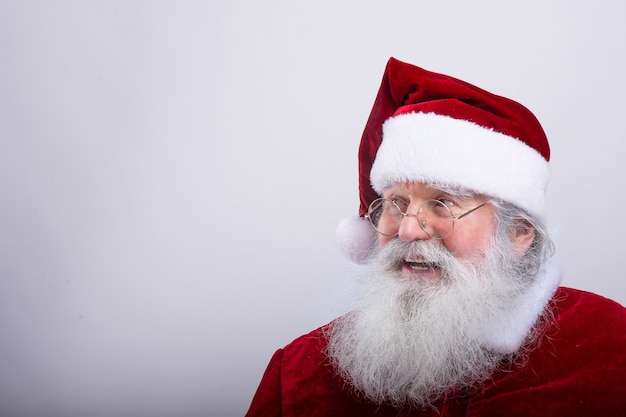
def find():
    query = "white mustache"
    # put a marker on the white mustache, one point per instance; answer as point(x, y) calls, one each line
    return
point(396, 252)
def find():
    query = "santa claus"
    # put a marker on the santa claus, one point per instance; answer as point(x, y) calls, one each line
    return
point(459, 311)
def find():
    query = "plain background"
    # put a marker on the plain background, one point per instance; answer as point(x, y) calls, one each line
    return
point(172, 174)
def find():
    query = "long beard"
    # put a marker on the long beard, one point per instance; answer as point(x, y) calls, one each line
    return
point(409, 342)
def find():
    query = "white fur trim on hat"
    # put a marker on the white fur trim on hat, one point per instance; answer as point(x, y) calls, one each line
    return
point(432, 148)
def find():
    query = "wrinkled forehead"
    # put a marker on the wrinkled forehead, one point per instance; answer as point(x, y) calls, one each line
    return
point(428, 188)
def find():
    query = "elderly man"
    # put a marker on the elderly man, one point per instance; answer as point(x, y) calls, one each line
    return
point(459, 311)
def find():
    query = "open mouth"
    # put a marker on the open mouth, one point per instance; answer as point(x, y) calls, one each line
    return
point(420, 265)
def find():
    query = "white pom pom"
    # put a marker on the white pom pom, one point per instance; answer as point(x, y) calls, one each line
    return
point(356, 239)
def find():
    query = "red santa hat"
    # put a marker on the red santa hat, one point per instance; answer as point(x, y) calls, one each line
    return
point(433, 128)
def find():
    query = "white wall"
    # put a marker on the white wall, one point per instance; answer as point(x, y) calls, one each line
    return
point(172, 173)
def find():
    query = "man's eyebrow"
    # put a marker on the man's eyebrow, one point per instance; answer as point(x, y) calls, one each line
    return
point(453, 191)
point(396, 195)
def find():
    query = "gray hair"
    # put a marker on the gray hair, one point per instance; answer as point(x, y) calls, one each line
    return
point(510, 217)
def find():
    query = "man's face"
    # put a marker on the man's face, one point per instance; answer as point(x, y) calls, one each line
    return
point(470, 235)
point(423, 304)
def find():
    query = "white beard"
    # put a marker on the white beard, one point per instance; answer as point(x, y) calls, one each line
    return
point(409, 342)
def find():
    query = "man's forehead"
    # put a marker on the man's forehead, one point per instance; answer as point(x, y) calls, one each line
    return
point(452, 189)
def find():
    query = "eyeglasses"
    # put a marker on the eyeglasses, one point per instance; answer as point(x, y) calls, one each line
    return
point(433, 216)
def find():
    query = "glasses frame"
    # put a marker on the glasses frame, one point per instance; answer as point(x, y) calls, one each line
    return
point(415, 214)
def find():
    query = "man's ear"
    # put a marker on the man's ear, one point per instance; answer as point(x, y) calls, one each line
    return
point(522, 235)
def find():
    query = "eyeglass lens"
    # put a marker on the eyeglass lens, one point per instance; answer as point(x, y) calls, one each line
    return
point(433, 216)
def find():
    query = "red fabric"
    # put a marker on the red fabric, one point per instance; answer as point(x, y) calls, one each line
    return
point(579, 369)
point(406, 88)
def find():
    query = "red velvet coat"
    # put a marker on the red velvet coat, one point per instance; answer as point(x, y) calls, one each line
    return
point(578, 370)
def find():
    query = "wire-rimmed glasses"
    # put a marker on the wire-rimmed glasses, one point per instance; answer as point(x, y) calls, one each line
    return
point(433, 216)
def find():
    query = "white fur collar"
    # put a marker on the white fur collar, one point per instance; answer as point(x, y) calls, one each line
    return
point(507, 332)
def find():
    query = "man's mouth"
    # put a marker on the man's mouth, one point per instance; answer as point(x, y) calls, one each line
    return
point(420, 265)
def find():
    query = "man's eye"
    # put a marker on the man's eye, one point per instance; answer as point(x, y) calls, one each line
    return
point(400, 203)
point(447, 202)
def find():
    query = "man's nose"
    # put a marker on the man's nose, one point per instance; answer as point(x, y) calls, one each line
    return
point(411, 230)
